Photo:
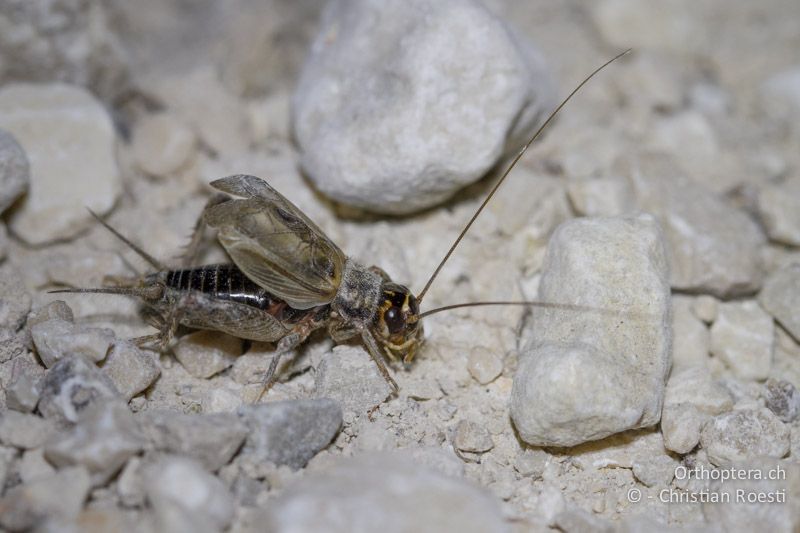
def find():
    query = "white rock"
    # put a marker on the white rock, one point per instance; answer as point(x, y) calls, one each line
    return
point(602, 196)
point(349, 375)
point(691, 339)
point(689, 134)
point(471, 437)
point(740, 510)
point(69, 172)
point(60, 495)
point(23, 430)
point(162, 144)
point(780, 297)
point(781, 92)
point(104, 438)
point(743, 336)
point(205, 353)
point(183, 483)
point(15, 301)
point(705, 307)
point(382, 492)
point(72, 385)
point(712, 247)
point(744, 434)
point(14, 170)
point(587, 374)
point(783, 399)
point(56, 338)
point(132, 370)
point(392, 117)
point(777, 206)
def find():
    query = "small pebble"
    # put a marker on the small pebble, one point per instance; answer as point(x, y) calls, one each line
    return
point(206, 353)
point(655, 471)
point(15, 301)
point(72, 385)
point(56, 338)
point(602, 196)
point(783, 399)
point(705, 307)
point(57, 309)
point(690, 337)
point(60, 495)
point(177, 484)
point(210, 439)
point(14, 170)
point(131, 369)
point(291, 432)
point(743, 336)
point(33, 465)
point(23, 392)
point(348, 375)
point(162, 144)
point(23, 430)
point(470, 437)
point(531, 462)
point(484, 365)
point(103, 439)
point(68, 171)
point(744, 434)
point(780, 297)
point(777, 207)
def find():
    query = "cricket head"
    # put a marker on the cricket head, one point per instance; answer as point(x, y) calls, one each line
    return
point(397, 326)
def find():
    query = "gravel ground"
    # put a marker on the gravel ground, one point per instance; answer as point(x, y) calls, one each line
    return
point(664, 202)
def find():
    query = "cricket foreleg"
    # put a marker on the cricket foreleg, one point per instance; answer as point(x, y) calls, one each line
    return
point(375, 353)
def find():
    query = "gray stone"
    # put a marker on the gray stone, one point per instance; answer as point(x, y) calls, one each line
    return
point(291, 432)
point(56, 309)
point(205, 353)
point(531, 462)
point(392, 118)
point(783, 399)
point(471, 437)
point(655, 471)
point(14, 170)
point(780, 296)
point(177, 485)
point(712, 247)
point(68, 172)
point(8, 456)
point(602, 196)
point(56, 338)
point(705, 307)
point(211, 439)
point(763, 500)
point(484, 365)
point(744, 434)
point(72, 385)
point(349, 375)
point(777, 207)
point(590, 372)
point(104, 438)
point(780, 92)
point(743, 336)
point(130, 485)
point(60, 495)
point(15, 301)
point(386, 493)
point(681, 426)
point(23, 430)
point(691, 339)
point(22, 393)
point(132, 370)
point(12, 345)
point(32, 466)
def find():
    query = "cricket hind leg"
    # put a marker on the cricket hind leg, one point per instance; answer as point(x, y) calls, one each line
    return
point(285, 345)
point(191, 251)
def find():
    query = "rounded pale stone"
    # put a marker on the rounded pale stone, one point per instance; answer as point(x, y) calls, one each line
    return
point(162, 144)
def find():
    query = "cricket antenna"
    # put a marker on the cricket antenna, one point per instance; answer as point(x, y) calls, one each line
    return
point(532, 303)
point(514, 162)
point(141, 292)
point(144, 255)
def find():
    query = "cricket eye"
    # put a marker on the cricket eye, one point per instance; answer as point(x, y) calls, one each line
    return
point(394, 319)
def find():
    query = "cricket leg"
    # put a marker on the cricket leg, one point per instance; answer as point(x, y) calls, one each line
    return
point(285, 345)
point(375, 353)
point(192, 249)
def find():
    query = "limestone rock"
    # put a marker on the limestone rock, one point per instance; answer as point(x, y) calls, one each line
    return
point(56, 338)
point(780, 297)
point(72, 385)
point(15, 301)
point(743, 336)
point(589, 373)
point(205, 353)
point(777, 206)
point(349, 375)
point(392, 116)
point(69, 172)
point(745, 434)
point(162, 144)
point(132, 370)
point(783, 399)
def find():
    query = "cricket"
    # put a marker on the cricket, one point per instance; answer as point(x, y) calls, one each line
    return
point(288, 279)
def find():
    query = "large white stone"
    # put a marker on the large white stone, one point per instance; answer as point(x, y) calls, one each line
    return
point(401, 103)
point(69, 140)
point(592, 372)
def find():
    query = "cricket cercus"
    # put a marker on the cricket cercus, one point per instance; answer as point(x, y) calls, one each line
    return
point(289, 279)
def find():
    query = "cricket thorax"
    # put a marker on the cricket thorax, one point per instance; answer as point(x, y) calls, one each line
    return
point(359, 295)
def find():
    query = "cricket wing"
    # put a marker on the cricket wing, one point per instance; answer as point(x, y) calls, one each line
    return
point(275, 244)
